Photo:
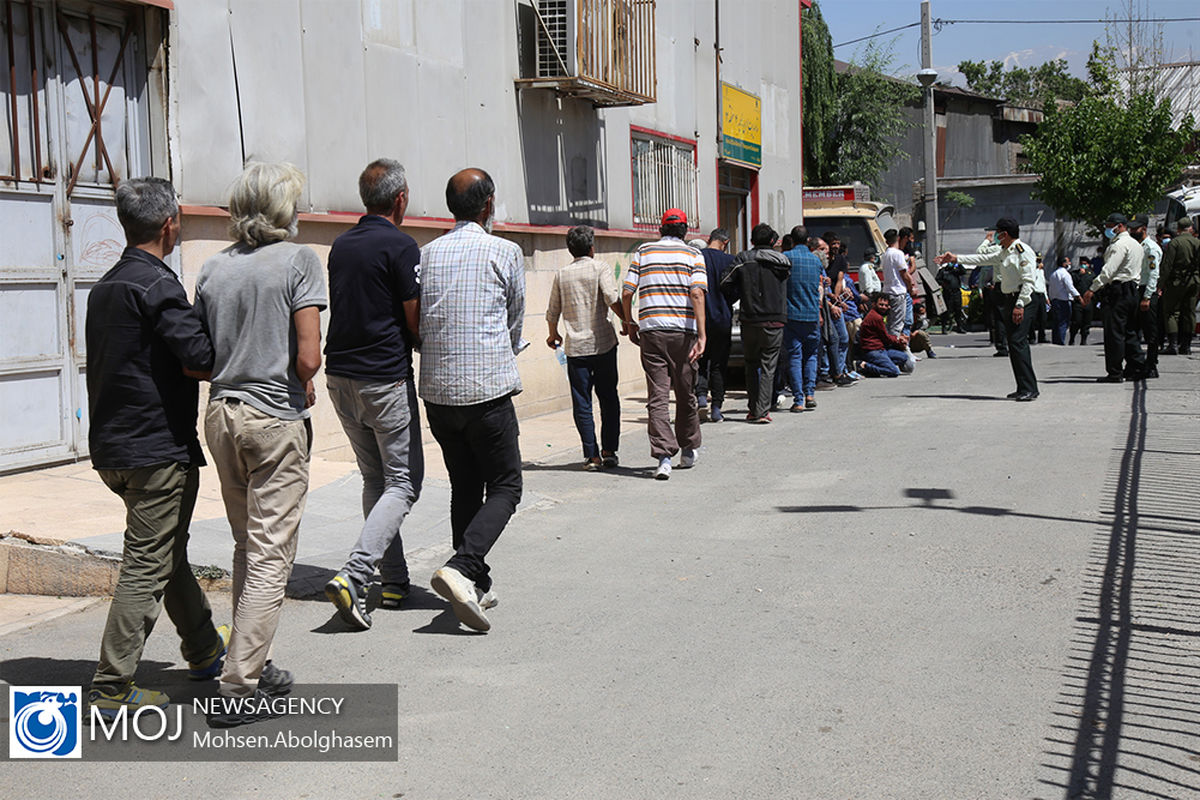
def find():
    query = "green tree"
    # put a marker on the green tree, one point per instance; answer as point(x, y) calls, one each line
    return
point(869, 121)
point(1040, 85)
point(820, 97)
point(1101, 155)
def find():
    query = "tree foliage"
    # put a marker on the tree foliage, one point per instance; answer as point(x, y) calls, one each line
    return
point(869, 123)
point(820, 96)
point(1103, 155)
point(854, 122)
point(1040, 85)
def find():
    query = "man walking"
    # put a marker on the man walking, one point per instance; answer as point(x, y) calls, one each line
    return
point(1180, 278)
point(1123, 356)
point(718, 328)
point(670, 281)
point(472, 308)
point(142, 336)
point(949, 277)
point(758, 279)
point(1062, 292)
point(802, 332)
point(374, 312)
point(1148, 303)
point(582, 294)
point(1016, 263)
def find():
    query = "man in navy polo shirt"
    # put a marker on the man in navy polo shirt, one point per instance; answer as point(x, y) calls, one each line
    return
point(374, 312)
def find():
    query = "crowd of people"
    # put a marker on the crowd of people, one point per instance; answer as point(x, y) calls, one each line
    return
point(254, 334)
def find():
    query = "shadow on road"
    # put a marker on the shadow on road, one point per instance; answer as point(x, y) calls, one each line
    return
point(1127, 716)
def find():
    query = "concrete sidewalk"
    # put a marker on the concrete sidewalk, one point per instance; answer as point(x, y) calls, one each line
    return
point(921, 590)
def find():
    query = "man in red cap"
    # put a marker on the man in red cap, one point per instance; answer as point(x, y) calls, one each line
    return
point(670, 281)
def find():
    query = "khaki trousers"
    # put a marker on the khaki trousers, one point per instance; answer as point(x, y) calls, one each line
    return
point(263, 465)
point(665, 360)
point(154, 571)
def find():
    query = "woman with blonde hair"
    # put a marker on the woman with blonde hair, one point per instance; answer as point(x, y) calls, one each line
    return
point(261, 299)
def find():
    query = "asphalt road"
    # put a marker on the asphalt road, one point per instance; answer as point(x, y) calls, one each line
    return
point(919, 590)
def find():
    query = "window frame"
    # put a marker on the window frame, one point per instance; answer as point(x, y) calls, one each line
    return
point(662, 139)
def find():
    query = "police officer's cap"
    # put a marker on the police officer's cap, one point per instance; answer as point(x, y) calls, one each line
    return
point(870, 252)
point(1008, 225)
point(1140, 221)
point(1116, 218)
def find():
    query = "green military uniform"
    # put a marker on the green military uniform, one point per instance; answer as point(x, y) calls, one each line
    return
point(1015, 268)
point(1179, 278)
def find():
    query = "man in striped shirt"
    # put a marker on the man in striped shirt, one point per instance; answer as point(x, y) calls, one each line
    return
point(670, 280)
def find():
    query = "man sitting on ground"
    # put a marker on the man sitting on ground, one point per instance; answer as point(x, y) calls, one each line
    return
point(883, 354)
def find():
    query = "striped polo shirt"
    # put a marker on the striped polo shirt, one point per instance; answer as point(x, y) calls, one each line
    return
point(662, 274)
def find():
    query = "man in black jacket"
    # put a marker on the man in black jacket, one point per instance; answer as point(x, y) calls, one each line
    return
point(146, 348)
point(758, 279)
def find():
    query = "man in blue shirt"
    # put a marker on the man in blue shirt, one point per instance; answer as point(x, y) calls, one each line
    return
point(718, 320)
point(374, 313)
point(802, 333)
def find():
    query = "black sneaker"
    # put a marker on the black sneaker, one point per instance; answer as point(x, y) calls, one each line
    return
point(351, 604)
point(275, 682)
point(391, 595)
point(243, 710)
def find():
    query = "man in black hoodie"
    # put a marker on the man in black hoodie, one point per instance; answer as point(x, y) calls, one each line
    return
point(758, 279)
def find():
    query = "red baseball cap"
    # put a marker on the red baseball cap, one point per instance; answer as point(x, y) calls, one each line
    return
point(674, 215)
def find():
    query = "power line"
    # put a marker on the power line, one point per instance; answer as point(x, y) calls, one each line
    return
point(938, 24)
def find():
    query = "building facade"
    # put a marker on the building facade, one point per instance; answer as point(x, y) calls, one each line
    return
point(601, 112)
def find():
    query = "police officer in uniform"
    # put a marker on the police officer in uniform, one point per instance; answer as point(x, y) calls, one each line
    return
point(1180, 279)
point(1016, 264)
point(1081, 315)
point(1119, 281)
point(1148, 294)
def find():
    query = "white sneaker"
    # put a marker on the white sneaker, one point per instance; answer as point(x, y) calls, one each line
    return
point(463, 596)
point(488, 599)
point(688, 459)
point(664, 469)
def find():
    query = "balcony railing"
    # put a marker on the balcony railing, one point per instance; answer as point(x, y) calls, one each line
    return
point(600, 50)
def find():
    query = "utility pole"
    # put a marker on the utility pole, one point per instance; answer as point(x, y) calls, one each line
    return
point(927, 76)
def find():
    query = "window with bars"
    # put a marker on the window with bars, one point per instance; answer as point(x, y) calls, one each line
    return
point(664, 176)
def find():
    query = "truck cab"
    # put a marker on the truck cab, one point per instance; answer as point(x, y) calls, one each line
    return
point(849, 212)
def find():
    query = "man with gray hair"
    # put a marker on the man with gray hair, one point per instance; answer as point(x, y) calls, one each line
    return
point(374, 319)
point(146, 347)
point(582, 294)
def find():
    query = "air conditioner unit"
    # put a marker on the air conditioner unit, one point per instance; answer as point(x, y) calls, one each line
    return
point(555, 38)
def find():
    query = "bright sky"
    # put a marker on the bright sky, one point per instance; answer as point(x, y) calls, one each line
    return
point(1015, 43)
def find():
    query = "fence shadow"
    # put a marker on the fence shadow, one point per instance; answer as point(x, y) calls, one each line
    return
point(1127, 719)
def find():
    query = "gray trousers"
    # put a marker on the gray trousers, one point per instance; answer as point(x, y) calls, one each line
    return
point(383, 423)
point(897, 308)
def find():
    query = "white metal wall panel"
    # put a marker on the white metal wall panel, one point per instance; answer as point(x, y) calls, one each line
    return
point(444, 149)
point(31, 419)
point(30, 311)
point(267, 47)
point(442, 32)
point(210, 140)
point(26, 231)
point(97, 240)
point(389, 22)
point(394, 130)
point(336, 112)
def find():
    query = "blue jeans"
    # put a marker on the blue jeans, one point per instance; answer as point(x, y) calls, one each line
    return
point(908, 314)
point(383, 423)
point(884, 363)
point(1060, 312)
point(802, 340)
point(598, 372)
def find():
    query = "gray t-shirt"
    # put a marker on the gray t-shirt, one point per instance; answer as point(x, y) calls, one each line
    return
point(247, 298)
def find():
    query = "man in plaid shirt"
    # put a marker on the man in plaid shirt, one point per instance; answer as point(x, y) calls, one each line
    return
point(472, 306)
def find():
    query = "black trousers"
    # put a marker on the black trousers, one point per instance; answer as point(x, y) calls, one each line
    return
point(953, 315)
point(1150, 320)
point(482, 454)
point(997, 326)
point(1081, 321)
point(1123, 354)
point(762, 357)
point(1037, 305)
point(1017, 338)
point(713, 365)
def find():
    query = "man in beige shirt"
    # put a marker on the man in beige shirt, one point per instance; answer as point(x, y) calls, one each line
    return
point(1118, 283)
point(582, 294)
